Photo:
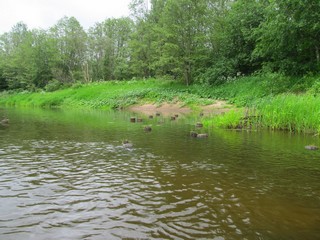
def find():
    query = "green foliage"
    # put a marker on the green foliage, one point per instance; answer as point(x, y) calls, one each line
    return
point(234, 42)
point(288, 40)
point(231, 120)
point(207, 42)
point(109, 49)
point(315, 88)
point(54, 85)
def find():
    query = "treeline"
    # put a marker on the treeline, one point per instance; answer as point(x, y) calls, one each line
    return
point(203, 41)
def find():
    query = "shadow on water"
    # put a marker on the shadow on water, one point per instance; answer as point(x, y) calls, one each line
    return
point(66, 174)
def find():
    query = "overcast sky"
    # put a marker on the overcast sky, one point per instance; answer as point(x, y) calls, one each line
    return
point(45, 13)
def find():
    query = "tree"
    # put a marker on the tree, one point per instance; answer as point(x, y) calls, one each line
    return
point(232, 39)
point(43, 59)
point(109, 51)
point(71, 43)
point(183, 27)
point(17, 54)
point(288, 41)
point(141, 39)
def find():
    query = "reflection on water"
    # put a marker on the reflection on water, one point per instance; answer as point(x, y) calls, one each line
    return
point(67, 176)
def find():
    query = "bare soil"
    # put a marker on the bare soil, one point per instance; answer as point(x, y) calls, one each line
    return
point(168, 109)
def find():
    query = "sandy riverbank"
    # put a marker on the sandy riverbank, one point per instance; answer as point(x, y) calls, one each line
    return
point(168, 109)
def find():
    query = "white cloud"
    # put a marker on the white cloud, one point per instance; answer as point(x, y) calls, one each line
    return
point(46, 13)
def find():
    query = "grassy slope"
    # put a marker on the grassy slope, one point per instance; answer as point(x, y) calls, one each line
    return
point(271, 101)
point(106, 95)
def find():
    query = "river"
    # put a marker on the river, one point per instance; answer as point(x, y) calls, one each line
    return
point(66, 175)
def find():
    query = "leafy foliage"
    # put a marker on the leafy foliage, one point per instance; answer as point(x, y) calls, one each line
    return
point(208, 42)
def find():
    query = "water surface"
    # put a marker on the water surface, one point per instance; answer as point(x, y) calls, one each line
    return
point(66, 175)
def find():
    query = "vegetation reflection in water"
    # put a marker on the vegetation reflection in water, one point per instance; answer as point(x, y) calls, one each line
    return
point(66, 175)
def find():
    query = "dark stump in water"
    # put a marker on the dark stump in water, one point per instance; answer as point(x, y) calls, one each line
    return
point(193, 134)
point(132, 119)
point(127, 144)
point(147, 129)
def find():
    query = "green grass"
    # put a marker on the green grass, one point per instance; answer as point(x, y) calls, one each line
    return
point(107, 95)
point(296, 113)
point(289, 112)
point(270, 102)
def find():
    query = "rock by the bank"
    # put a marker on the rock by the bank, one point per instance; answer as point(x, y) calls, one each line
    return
point(311, 147)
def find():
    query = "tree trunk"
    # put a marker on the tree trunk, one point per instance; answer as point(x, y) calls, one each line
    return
point(187, 73)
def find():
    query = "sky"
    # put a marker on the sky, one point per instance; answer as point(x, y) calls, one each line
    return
point(43, 14)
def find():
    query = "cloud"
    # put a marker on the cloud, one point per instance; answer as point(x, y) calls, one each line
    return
point(45, 13)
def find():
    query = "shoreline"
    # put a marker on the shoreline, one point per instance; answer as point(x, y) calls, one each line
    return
point(253, 105)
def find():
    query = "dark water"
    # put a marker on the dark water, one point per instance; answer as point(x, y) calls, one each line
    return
point(66, 175)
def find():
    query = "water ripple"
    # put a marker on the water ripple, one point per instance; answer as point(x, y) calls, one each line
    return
point(99, 190)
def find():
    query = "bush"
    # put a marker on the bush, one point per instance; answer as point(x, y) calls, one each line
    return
point(315, 88)
point(52, 86)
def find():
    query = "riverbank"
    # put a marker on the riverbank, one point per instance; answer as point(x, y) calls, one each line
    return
point(272, 102)
point(142, 96)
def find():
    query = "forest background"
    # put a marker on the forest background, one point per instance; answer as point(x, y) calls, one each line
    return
point(207, 42)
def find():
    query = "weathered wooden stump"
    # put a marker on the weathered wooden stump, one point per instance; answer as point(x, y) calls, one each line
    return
point(133, 119)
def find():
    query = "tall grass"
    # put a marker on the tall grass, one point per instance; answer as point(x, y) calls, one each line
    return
point(289, 112)
point(298, 113)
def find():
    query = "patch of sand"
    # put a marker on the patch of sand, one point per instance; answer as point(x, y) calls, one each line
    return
point(167, 109)
point(219, 107)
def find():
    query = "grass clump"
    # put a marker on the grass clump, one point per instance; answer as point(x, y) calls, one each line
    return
point(230, 120)
point(295, 113)
point(289, 112)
